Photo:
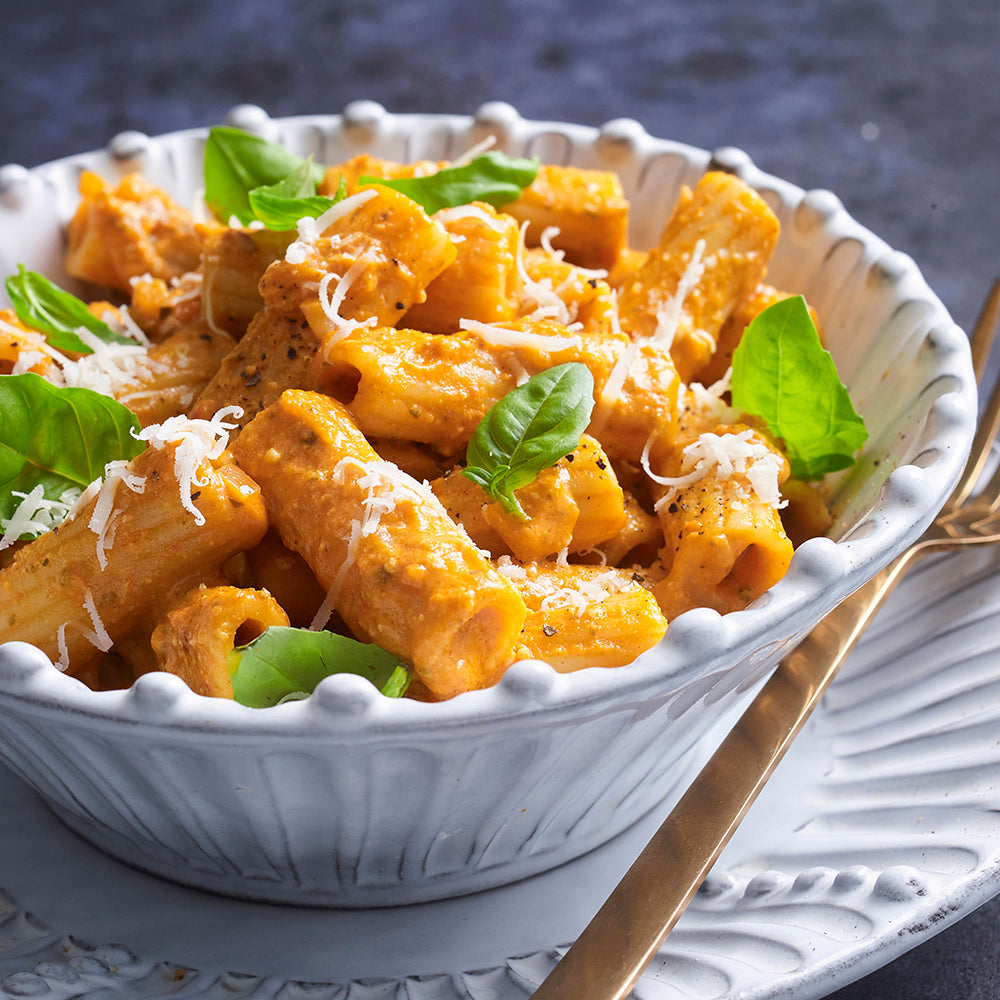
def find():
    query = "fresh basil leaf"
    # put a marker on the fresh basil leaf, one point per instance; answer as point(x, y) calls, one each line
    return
point(493, 177)
point(280, 206)
point(59, 315)
point(236, 163)
point(530, 429)
point(58, 437)
point(783, 376)
point(341, 192)
point(286, 664)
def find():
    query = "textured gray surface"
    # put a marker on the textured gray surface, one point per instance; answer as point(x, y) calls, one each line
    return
point(893, 104)
point(890, 103)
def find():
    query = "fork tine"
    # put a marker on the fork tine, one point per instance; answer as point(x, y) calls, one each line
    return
point(983, 334)
point(984, 330)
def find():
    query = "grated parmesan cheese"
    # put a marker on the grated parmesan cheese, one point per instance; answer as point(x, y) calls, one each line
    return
point(384, 484)
point(667, 321)
point(63, 662)
point(539, 298)
point(473, 151)
point(511, 570)
point(99, 636)
point(741, 453)
point(575, 592)
point(27, 360)
point(708, 399)
point(540, 295)
point(446, 215)
point(198, 442)
point(32, 347)
point(340, 327)
point(310, 229)
point(122, 323)
point(545, 238)
point(109, 369)
point(325, 609)
point(545, 241)
point(502, 336)
point(36, 514)
point(563, 591)
point(584, 592)
point(668, 315)
point(102, 520)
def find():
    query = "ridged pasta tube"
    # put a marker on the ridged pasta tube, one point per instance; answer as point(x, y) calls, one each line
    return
point(398, 570)
point(56, 595)
point(196, 636)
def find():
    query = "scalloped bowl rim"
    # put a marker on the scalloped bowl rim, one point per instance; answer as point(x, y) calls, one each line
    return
point(695, 641)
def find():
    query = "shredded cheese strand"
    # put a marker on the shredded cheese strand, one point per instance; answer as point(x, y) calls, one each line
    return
point(99, 637)
point(384, 485)
point(615, 381)
point(340, 327)
point(668, 315)
point(539, 299)
point(36, 514)
point(501, 336)
point(325, 609)
point(473, 151)
point(311, 229)
point(198, 442)
point(63, 662)
point(457, 212)
point(102, 520)
point(740, 453)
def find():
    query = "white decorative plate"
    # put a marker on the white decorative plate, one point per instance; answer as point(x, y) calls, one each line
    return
point(881, 827)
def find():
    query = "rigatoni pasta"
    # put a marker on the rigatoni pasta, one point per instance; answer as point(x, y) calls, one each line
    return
point(340, 367)
point(724, 543)
point(399, 571)
point(196, 636)
point(712, 254)
point(153, 528)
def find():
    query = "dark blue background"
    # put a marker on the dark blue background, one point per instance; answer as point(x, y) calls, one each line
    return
point(893, 104)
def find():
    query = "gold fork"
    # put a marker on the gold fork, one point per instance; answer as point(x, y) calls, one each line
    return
point(626, 933)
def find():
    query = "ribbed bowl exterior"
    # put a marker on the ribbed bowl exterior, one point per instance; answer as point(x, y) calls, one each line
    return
point(328, 818)
point(351, 799)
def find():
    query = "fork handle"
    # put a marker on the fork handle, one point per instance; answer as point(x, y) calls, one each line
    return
point(626, 933)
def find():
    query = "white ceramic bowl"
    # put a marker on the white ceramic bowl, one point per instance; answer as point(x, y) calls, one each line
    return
point(353, 799)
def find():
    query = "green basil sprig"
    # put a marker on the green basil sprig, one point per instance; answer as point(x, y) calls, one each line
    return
point(251, 179)
point(58, 437)
point(237, 163)
point(285, 664)
point(493, 177)
point(55, 312)
point(784, 376)
point(530, 429)
point(280, 206)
